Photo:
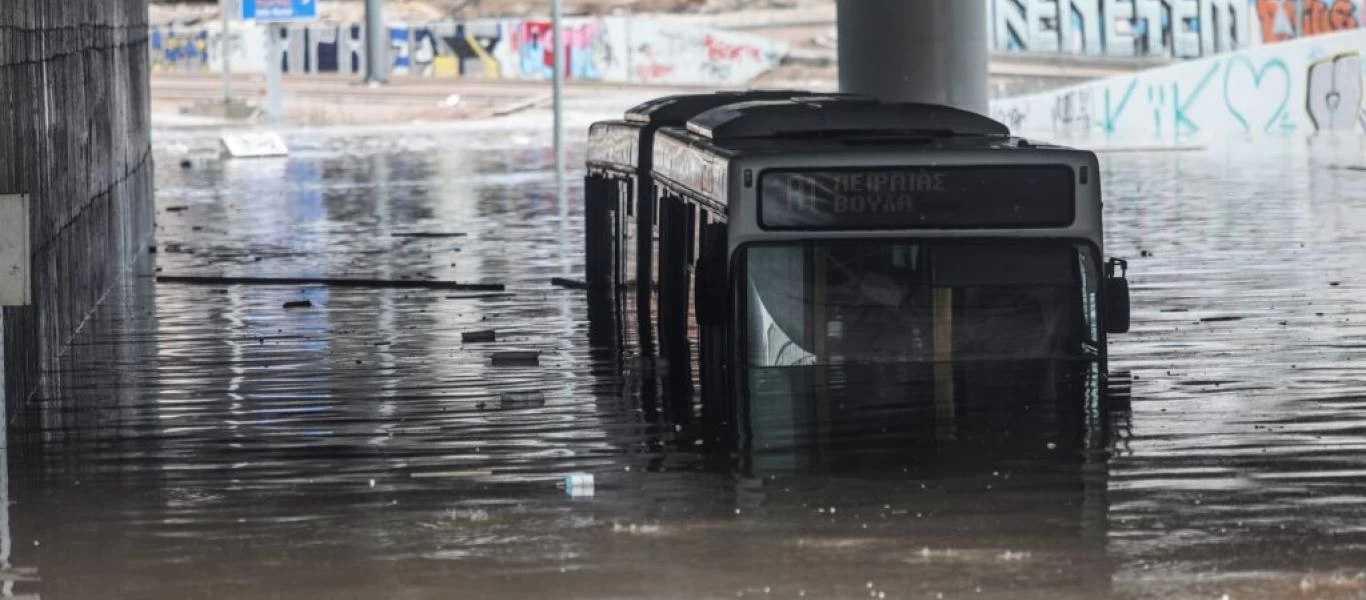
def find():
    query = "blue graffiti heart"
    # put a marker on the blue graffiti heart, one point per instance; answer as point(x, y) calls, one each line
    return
point(1258, 75)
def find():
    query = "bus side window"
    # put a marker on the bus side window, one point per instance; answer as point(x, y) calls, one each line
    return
point(628, 199)
point(693, 229)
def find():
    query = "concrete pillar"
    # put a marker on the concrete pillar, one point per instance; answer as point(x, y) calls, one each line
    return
point(376, 43)
point(76, 129)
point(933, 51)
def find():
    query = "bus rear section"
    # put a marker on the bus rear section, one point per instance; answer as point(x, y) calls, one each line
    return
point(622, 217)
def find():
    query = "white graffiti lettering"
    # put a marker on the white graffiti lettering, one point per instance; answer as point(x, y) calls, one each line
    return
point(1177, 28)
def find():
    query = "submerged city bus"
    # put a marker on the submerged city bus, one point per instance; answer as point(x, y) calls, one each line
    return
point(619, 213)
point(829, 263)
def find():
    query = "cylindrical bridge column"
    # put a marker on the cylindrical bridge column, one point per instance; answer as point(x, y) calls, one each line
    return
point(932, 51)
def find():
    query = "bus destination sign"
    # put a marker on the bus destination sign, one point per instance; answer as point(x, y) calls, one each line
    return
point(918, 197)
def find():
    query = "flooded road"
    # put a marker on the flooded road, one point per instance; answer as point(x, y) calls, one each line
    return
point(203, 441)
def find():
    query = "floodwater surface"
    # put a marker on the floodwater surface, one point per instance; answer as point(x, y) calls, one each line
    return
point(204, 441)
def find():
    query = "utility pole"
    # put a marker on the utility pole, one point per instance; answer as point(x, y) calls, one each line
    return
point(275, 93)
point(376, 37)
point(225, 46)
point(557, 16)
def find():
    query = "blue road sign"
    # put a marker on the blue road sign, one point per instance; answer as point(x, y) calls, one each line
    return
point(279, 10)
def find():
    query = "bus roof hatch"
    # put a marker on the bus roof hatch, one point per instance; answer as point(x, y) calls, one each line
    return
point(674, 111)
point(836, 115)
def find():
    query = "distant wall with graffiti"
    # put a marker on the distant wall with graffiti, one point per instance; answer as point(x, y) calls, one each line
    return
point(1302, 86)
point(1173, 28)
point(180, 49)
point(604, 49)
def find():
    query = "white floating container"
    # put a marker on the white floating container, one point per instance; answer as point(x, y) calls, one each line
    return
point(578, 485)
point(256, 144)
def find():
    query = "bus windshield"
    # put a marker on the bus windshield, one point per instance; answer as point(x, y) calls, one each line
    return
point(886, 301)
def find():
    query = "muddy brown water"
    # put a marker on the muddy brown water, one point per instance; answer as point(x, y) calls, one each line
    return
point(202, 441)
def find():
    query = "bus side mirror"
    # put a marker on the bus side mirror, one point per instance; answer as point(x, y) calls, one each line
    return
point(711, 276)
point(1117, 310)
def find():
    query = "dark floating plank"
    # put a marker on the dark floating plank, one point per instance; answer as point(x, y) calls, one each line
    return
point(345, 282)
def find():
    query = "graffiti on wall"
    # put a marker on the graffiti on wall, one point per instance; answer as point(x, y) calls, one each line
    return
point(1177, 28)
point(179, 50)
point(605, 49)
point(1281, 20)
point(670, 54)
point(324, 49)
point(587, 51)
point(1334, 92)
point(473, 50)
point(1310, 85)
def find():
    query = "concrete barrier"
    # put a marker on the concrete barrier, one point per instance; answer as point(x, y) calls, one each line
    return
point(1297, 87)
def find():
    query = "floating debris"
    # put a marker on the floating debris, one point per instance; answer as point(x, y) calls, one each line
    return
point(299, 304)
point(520, 358)
point(579, 485)
point(357, 283)
point(452, 474)
point(521, 400)
point(173, 209)
point(572, 284)
point(485, 296)
point(427, 235)
point(479, 337)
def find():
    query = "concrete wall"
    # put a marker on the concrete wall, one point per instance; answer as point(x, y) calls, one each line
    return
point(74, 135)
point(624, 49)
point(1304, 86)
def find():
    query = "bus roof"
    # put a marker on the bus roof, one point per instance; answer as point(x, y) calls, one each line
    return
point(816, 116)
point(818, 130)
point(851, 143)
point(627, 143)
point(675, 111)
point(704, 165)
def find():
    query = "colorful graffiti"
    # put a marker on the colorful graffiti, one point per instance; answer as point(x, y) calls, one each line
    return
point(474, 48)
point(667, 54)
point(324, 49)
point(1308, 85)
point(1177, 28)
point(179, 50)
point(588, 53)
point(595, 49)
point(1282, 20)
point(1277, 18)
